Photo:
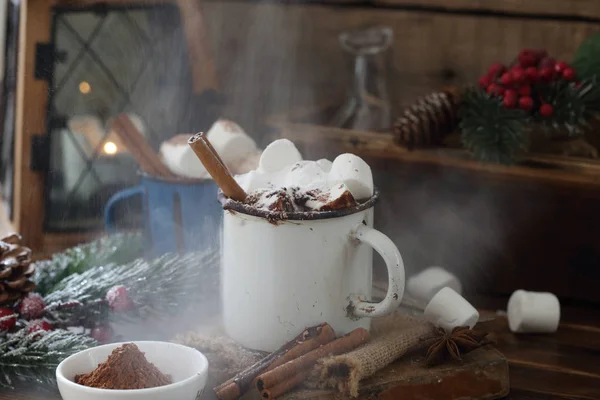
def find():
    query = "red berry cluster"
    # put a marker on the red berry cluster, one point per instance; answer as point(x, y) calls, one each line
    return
point(31, 308)
point(118, 299)
point(516, 84)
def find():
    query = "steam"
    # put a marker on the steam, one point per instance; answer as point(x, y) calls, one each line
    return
point(198, 312)
point(433, 217)
point(436, 219)
point(270, 72)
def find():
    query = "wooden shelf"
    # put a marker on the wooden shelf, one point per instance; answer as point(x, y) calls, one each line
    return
point(564, 171)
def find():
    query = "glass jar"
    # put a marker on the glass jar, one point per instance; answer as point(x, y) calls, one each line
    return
point(368, 105)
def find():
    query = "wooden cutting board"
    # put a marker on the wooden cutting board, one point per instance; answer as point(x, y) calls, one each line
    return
point(482, 375)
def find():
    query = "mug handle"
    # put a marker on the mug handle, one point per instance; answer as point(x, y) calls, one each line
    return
point(109, 209)
point(395, 266)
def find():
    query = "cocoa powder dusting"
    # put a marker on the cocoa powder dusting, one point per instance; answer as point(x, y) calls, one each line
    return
point(125, 368)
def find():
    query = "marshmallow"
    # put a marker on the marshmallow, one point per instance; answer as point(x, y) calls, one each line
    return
point(354, 173)
point(428, 282)
point(533, 312)
point(248, 181)
point(304, 173)
point(177, 155)
point(230, 141)
point(448, 309)
point(246, 165)
point(254, 180)
point(339, 198)
point(325, 164)
point(279, 154)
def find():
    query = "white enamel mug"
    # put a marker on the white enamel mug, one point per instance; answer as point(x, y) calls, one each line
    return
point(281, 276)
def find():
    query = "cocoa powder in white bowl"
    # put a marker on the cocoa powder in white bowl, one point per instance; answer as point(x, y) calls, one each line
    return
point(187, 367)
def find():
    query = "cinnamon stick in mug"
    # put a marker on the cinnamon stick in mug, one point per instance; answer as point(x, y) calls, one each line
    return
point(215, 167)
point(339, 346)
point(310, 339)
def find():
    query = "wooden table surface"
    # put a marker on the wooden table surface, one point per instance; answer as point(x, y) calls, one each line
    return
point(564, 365)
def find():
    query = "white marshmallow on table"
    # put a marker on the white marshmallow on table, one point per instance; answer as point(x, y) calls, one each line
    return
point(325, 164)
point(428, 282)
point(355, 173)
point(533, 312)
point(230, 141)
point(448, 309)
point(277, 155)
point(178, 156)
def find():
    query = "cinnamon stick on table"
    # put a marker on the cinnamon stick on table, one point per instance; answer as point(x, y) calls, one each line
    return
point(285, 386)
point(310, 339)
point(288, 370)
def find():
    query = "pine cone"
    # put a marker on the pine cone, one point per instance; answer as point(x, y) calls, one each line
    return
point(425, 123)
point(15, 270)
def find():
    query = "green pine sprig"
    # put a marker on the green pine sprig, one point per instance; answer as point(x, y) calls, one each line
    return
point(574, 105)
point(157, 287)
point(491, 132)
point(587, 58)
point(118, 249)
point(32, 358)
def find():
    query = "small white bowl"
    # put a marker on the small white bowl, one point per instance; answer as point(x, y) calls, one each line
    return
point(188, 368)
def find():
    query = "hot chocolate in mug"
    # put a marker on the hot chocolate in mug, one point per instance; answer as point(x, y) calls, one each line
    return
point(281, 276)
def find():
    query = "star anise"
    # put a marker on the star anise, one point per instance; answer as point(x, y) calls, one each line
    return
point(446, 345)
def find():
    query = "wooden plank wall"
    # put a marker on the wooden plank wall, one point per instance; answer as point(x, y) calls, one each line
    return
point(497, 236)
point(273, 57)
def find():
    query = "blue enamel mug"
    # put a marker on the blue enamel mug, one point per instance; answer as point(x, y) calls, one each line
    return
point(179, 215)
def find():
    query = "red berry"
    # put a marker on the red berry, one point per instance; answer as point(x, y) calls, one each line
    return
point(560, 66)
point(510, 93)
point(546, 110)
point(484, 81)
point(546, 74)
point(118, 299)
point(527, 58)
point(532, 74)
point(32, 306)
point(541, 53)
point(525, 90)
point(506, 79)
point(547, 62)
point(496, 69)
point(578, 84)
point(568, 74)
point(526, 103)
point(102, 334)
point(518, 74)
point(509, 101)
point(6, 322)
point(38, 325)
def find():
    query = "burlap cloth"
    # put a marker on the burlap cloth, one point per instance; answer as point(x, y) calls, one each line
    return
point(391, 337)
